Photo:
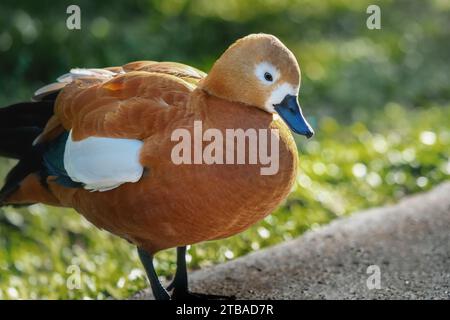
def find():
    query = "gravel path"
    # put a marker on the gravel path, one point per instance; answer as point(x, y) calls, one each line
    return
point(408, 243)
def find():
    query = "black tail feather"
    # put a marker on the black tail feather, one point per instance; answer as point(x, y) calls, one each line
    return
point(20, 124)
point(26, 114)
point(16, 143)
point(31, 162)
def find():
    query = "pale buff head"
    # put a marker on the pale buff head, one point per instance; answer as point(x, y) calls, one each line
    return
point(259, 70)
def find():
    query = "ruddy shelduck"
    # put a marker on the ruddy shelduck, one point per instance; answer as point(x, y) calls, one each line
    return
point(101, 141)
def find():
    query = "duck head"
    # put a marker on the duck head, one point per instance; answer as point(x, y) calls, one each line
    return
point(259, 70)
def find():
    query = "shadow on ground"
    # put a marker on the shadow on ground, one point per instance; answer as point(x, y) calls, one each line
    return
point(409, 243)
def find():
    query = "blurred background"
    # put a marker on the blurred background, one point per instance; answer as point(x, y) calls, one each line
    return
point(378, 99)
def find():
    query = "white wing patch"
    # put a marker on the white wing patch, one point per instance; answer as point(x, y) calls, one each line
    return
point(102, 164)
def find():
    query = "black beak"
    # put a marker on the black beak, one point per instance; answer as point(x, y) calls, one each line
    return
point(290, 111)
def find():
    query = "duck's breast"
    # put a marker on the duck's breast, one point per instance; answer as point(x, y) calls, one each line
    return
point(179, 204)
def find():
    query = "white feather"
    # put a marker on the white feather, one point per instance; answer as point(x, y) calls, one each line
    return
point(77, 73)
point(280, 91)
point(265, 67)
point(103, 164)
point(278, 94)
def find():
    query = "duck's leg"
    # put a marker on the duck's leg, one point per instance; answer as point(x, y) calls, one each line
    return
point(180, 282)
point(158, 290)
point(180, 279)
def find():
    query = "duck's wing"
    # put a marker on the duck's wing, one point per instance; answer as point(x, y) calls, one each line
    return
point(74, 74)
point(106, 113)
point(182, 71)
point(176, 69)
point(105, 119)
point(123, 107)
point(122, 82)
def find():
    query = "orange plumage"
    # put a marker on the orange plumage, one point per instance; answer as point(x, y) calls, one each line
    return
point(175, 205)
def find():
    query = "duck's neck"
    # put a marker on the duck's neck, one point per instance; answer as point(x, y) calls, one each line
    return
point(225, 113)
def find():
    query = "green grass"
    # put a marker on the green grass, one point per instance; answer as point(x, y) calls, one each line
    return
point(345, 168)
point(368, 151)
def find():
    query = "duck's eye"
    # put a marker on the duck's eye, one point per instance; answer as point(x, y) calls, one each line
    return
point(266, 73)
point(268, 77)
